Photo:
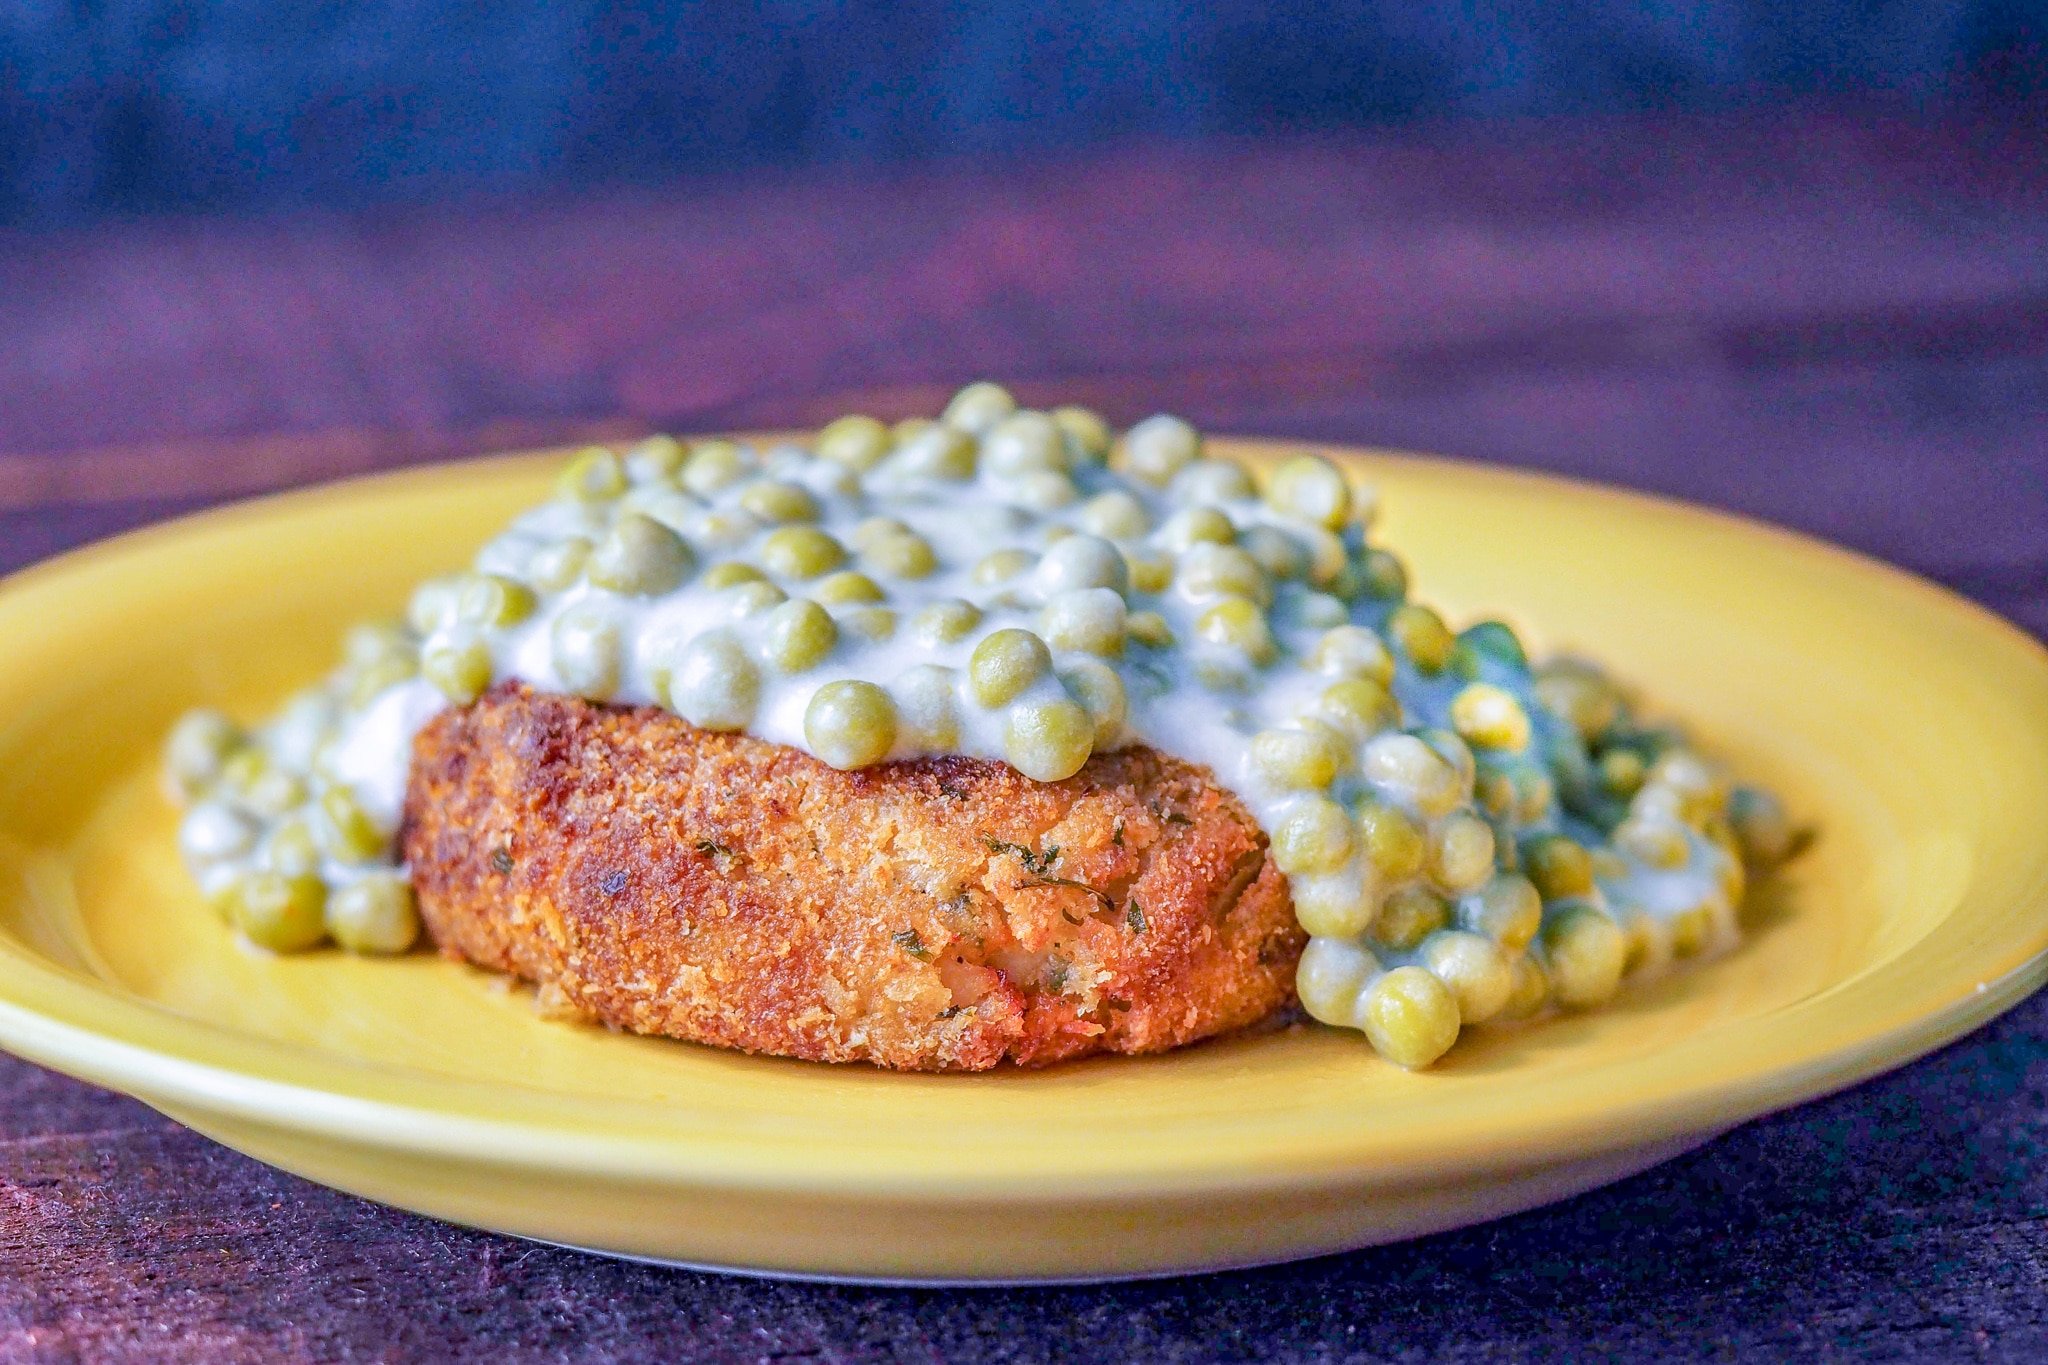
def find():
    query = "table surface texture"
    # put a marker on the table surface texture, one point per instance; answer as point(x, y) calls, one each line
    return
point(1833, 319)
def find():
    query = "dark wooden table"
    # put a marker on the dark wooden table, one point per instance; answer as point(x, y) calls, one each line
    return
point(1836, 321)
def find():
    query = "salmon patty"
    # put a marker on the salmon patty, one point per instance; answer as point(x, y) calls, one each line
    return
point(937, 914)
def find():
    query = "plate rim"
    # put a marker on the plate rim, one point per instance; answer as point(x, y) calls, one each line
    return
point(67, 1019)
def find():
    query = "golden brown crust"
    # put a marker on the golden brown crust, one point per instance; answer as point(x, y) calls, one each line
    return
point(942, 914)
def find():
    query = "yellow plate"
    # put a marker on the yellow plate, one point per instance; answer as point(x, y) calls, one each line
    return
point(1910, 726)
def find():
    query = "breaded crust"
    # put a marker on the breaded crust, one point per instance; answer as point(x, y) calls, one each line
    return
point(940, 914)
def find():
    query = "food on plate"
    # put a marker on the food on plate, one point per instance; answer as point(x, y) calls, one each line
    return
point(992, 737)
point(934, 913)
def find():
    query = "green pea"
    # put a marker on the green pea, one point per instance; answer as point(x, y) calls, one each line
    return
point(1002, 566)
point(1149, 628)
point(714, 685)
point(1206, 570)
point(1393, 842)
point(1115, 515)
point(1048, 741)
point(1762, 829)
point(798, 635)
point(1101, 693)
point(1212, 480)
point(1331, 907)
point(847, 588)
point(1311, 489)
point(1193, 526)
point(460, 669)
point(1238, 623)
point(801, 552)
point(1478, 973)
point(1497, 641)
point(946, 620)
point(1086, 433)
point(593, 475)
point(1004, 664)
point(640, 557)
point(870, 623)
point(1304, 759)
point(937, 452)
point(1409, 915)
point(1422, 634)
point(979, 407)
point(1691, 930)
point(281, 913)
point(347, 830)
point(1507, 909)
point(492, 602)
point(1314, 838)
point(1276, 552)
point(1409, 768)
point(1353, 651)
point(1659, 843)
point(1491, 718)
point(1158, 448)
point(1383, 577)
point(714, 465)
point(1025, 442)
point(1089, 620)
point(1585, 952)
point(292, 849)
point(858, 442)
point(1580, 693)
point(214, 831)
point(874, 530)
point(1530, 991)
point(1558, 864)
point(1461, 855)
point(850, 724)
point(1331, 978)
point(374, 914)
point(1329, 559)
point(656, 460)
point(1082, 561)
point(433, 604)
point(730, 574)
point(1149, 573)
point(1358, 707)
point(773, 501)
point(905, 556)
point(587, 651)
point(198, 748)
point(1621, 772)
point(1410, 1016)
point(749, 600)
point(558, 566)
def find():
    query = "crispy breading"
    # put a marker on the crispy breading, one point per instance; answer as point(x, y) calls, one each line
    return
point(939, 914)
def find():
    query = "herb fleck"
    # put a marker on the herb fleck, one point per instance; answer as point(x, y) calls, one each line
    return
point(715, 851)
point(910, 943)
point(501, 860)
point(1171, 817)
point(1039, 865)
point(613, 882)
point(1134, 915)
